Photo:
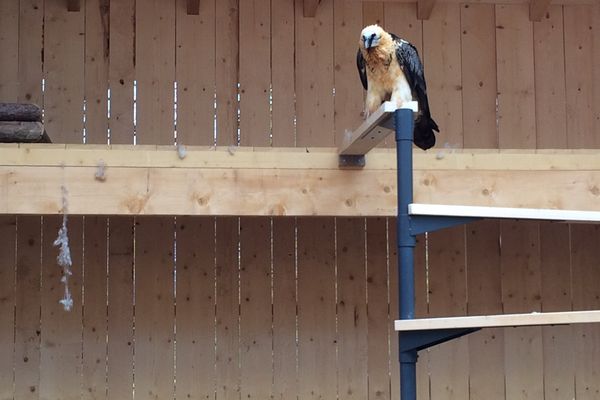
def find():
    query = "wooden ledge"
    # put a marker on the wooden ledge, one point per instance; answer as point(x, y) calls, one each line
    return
point(498, 321)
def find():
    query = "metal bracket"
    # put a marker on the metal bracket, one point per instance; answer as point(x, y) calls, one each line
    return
point(351, 161)
point(424, 223)
point(422, 339)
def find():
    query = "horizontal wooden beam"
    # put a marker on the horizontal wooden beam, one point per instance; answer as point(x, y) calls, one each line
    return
point(151, 180)
point(496, 321)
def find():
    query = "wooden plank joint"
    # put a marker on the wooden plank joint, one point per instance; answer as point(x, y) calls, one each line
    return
point(193, 7)
point(74, 5)
point(424, 8)
point(310, 8)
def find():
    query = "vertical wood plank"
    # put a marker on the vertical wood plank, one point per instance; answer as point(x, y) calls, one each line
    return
point(195, 308)
point(516, 97)
point(521, 292)
point(442, 61)
point(478, 66)
point(61, 330)
point(348, 103)
point(486, 347)
point(27, 308)
point(256, 339)
point(195, 72)
point(120, 308)
point(9, 48)
point(550, 96)
point(255, 72)
point(559, 358)
point(227, 318)
point(155, 70)
point(8, 233)
point(154, 308)
point(94, 308)
point(378, 318)
point(373, 13)
point(121, 70)
point(96, 70)
point(596, 67)
point(64, 73)
point(285, 383)
point(314, 76)
point(579, 75)
point(282, 72)
point(449, 362)
point(585, 251)
point(401, 19)
point(316, 309)
point(227, 76)
point(351, 309)
point(31, 23)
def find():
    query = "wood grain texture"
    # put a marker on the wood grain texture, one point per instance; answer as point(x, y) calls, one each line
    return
point(9, 48)
point(155, 70)
point(373, 13)
point(96, 70)
point(63, 73)
point(61, 330)
point(8, 267)
point(550, 84)
point(154, 308)
point(316, 308)
point(95, 328)
point(227, 309)
point(596, 70)
point(120, 308)
point(195, 308)
point(121, 70)
point(255, 72)
point(256, 340)
point(227, 74)
point(314, 77)
point(27, 308)
point(515, 66)
point(195, 73)
point(478, 67)
point(31, 23)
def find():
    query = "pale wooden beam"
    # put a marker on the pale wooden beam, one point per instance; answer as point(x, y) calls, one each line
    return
point(424, 8)
point(310, 8)
point(537, 9)
point(496, 321)
point(74, 5)
point(193, 7)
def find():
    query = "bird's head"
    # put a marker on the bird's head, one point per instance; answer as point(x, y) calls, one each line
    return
point(371, 36)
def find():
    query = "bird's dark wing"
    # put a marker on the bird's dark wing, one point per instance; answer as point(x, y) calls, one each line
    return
point(362, 68)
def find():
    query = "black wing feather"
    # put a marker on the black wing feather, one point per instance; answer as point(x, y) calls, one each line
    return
point(362, 68)
point(411, 65)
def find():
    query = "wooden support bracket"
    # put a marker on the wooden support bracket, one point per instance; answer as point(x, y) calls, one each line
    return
point(74, 5)
point(424, 8)
point(310, 8)
point(537, 9)
point(193, 7)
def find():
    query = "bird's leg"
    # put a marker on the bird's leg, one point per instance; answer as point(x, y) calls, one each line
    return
point(401, 93)
point(373, 101)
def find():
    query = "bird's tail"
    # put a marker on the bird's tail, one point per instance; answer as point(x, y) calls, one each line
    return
point(424, 137)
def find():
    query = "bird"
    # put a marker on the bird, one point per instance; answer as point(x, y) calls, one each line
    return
point(390, 69)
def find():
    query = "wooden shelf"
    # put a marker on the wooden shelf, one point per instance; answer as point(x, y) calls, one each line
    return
point(496, 321)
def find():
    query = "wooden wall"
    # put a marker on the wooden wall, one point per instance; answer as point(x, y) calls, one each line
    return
point(193, 308)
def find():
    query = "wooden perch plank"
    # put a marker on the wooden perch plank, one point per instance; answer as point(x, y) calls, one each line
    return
point(373, 131)
point(537, 9)
point(20, 112)
point(74, 5)
point(310, 8)
point(193, 7)
point(503, 320)
point(21, 132)
point(424, 8)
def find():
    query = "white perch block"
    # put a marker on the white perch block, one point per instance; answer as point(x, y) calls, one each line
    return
point(503, 212)
point(374, 129)
point(495, 321)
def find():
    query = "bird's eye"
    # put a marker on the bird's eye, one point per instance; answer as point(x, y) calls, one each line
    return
point(373, 35)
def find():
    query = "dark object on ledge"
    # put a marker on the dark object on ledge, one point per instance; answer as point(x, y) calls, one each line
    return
point(20, 112)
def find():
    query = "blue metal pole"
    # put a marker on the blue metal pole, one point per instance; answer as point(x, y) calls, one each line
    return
point(403, 119)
